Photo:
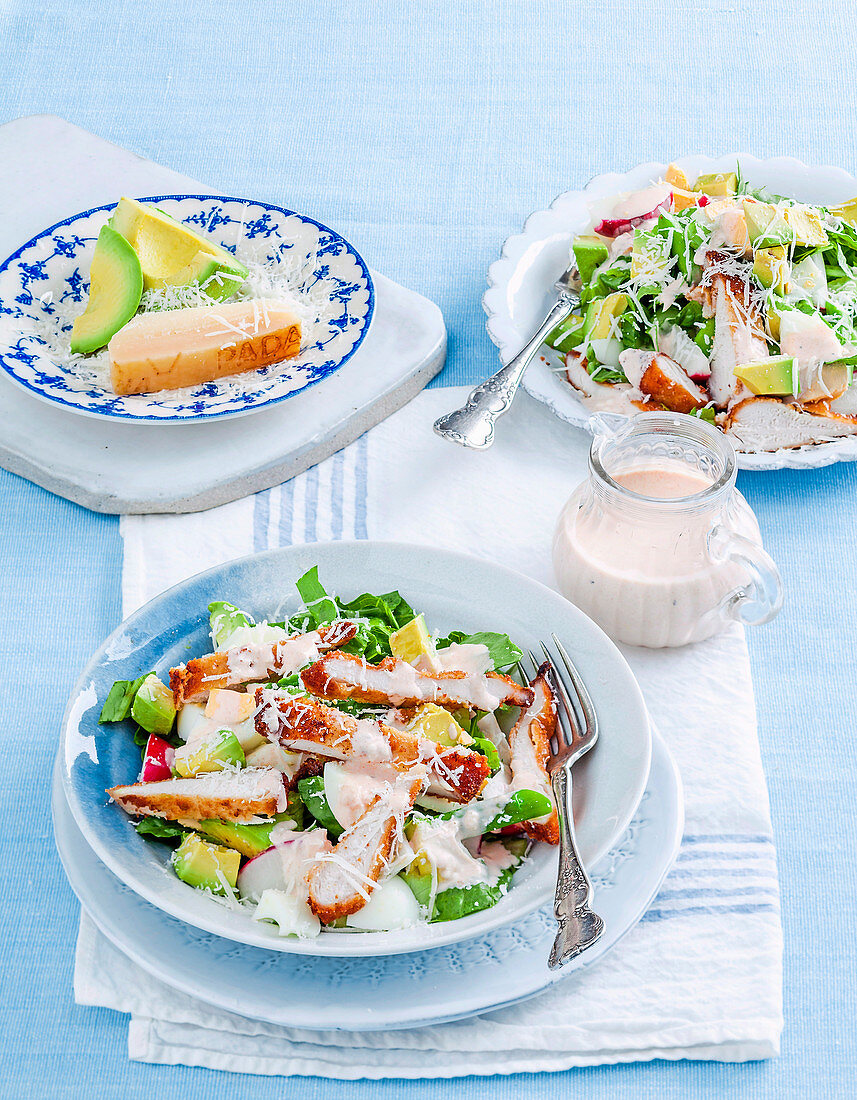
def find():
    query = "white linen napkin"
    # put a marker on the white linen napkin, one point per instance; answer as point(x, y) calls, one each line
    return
point(699, 977)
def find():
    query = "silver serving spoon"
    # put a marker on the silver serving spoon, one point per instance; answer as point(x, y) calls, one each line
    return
point(473, 425)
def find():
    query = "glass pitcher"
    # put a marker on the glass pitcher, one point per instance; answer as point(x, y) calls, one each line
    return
point(657, 545)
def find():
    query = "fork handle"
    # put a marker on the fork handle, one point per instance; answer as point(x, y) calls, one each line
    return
point(473, 424)
point(579, 926)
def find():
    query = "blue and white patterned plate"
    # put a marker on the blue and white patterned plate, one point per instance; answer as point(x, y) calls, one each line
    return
point(45, 284)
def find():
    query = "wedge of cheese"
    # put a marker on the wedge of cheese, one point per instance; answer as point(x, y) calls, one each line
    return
point(184, 347)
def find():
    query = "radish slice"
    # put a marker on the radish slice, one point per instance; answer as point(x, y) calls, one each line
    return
point(284, 865)
point(261, 873)
point(158, 760)
point(634, 209)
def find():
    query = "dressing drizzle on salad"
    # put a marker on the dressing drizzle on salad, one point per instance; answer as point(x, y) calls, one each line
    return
point(342, 769)
point(718, 300)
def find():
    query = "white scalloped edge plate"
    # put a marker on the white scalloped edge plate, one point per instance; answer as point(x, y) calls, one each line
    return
point(520, 283)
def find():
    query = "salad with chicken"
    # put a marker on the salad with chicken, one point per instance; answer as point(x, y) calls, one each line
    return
point(719, 300)
point(345, 768)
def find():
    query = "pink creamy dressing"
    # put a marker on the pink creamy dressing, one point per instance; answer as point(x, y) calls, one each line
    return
point(647, 579)
point(664, 482)
point(252, 661)
point(353, 786)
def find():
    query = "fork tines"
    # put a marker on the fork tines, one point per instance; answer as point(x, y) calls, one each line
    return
point(577, 721)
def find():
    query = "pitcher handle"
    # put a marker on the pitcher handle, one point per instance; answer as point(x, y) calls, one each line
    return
point(760, 599)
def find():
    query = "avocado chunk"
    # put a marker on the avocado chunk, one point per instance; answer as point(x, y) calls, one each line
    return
point(601, 315)
point(717, 183)
point(847, 211)
point(766, 226)
point(436, 724)
point(213, 755)
point(153, 707)
point(206, 866)
point(771, 267)
point(173, 255)
point(806, 225)
point(115, 289)
point(412, 641)
point(567, 334)
point(248, 840)
point(777, 375)
point(589, 252)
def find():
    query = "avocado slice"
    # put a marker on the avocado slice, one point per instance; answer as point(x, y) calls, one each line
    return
point(847, 211)
point(589, 253)
point(213, 755)
point(771, 267)
point(412, 641)
point(717, 184)
point(567, 334)
point(153, 707)
point(249, 840)
point(807, 227)
point(436, 724)
point(115, 289)
point(173, 255)
point(766, 226)
point(201, 864)
point(777, 375)
point(601, 313)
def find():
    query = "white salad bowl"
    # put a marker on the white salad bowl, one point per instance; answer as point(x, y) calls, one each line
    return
point(521, 282)
point(45, 283)
point(454, 591)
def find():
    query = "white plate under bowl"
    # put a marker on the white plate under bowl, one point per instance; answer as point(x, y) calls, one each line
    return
point(399, 991)
point(53, 269)
point(521, 282)
point(454, 591)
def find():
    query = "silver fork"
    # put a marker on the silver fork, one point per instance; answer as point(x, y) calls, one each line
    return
point(473, 424)
point(579, 926)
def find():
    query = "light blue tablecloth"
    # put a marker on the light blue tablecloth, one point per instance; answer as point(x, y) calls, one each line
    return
point(426, 134)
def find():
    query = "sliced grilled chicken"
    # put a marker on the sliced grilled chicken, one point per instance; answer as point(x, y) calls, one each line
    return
point(399, 684)
point(305, 725)
point(675, 343)
point(768, 424)
point(227, 795)
point(620, 398)
point(244, 664)
point(665, 382)
point(342, 881)
point(739, 334)
point(529, 745)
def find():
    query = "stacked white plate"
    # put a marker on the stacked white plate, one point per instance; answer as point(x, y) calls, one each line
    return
point(628, 812)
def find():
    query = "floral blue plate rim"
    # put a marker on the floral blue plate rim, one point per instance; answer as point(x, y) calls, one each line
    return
point(108, 399)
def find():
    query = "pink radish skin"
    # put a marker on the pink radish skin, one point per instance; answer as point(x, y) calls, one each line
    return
point(635, 209)
point(158, 760)
point(262, 872)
